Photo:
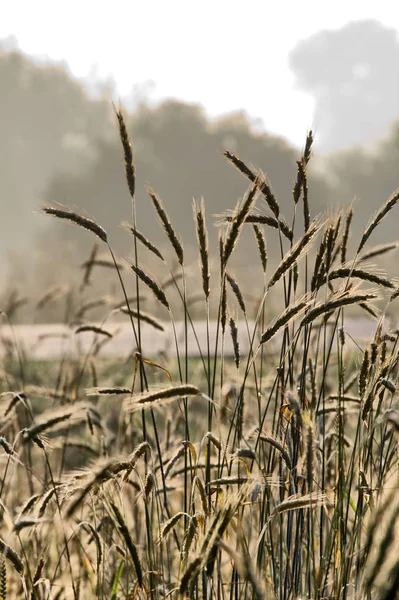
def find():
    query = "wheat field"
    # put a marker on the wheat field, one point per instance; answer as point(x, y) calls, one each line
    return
point(266, 474)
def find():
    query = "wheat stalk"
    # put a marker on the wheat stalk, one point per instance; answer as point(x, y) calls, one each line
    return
point(12, 556)
point(167, 225)
point(154, 287)
point(146, 242)
point(381, 213)
point(158, 397)
point(202, 237)
point(238, 221)
point(77, 219)
point(296, 252)
point(130, 169)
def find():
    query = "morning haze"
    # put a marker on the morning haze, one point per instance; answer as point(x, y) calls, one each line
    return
point(60, 144)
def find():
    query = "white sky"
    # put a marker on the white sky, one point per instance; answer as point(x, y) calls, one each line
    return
point(226, 55)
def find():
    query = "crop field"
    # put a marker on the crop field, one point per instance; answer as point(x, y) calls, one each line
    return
point(239, 455)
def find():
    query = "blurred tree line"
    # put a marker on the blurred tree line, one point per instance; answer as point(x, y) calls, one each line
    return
point(58, 144)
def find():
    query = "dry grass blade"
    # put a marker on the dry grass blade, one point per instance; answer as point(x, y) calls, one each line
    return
point(309, 458)
point(301, 184)
point(171, 463)
point(294, 253)
point(202, 237)
point(381, 213)
point(99, 473)
point(223, 306)
point(221, 254)
point(53, 294)
point(39, 569)
point(297, 191)
point(260, 240)
point(192, 570)
point(337, 300)
point(167, 225)
point(345, 237)
point(259, 219)
point(390, 589)
point(102, 262)
point(143, 316)
point(12, 304)
point(267, 191)
point(56, 417)
point(306, 210)
point(252, 218)
point(149, 245)
point(204, 498)
point(238, 221)
point(329, 240)
point(8, 449)
point(386, 542)
point(104, 301)
point(12, 557)
point(375, 522)
point(394, 295)
point(244, 453)
point(169, 525)
point(229, 480)
point(45, 501)
point(371, 310)
point(89, 266)
point(319, 267)
point(129, 543)
point(31, 523)
point(26, 507)
point(240, 165)
point(245, 569)
point(93, 329)
point(127, 152)
point(98, 391)
point(131, 300)
point(150, 485)
point(218, 528)
point(348, 272)
point(214, 440)
point(278, 445)
point(76, 219)
point(158, 292)
point(307, 152)
point(259, 178)
point(237, 292)
point(378, 251)
point(160, 396)
point(139, 452)
point(298, 501)
point(284, 318)
point(189, 535)
point(234, 337)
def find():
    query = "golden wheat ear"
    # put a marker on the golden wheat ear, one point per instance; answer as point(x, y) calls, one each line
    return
point(76, 219)
point(130, 169)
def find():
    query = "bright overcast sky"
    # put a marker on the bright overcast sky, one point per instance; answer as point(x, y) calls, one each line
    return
point(226, 55)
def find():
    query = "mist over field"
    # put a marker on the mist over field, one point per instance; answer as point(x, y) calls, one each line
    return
point(59, 144)
point(199, 364)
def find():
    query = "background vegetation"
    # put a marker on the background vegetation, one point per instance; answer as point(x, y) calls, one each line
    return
point(58, 144)
point(270, 473)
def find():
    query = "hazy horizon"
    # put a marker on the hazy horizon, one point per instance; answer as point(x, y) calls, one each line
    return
point(199, 56)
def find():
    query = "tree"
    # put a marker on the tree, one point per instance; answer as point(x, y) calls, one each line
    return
point(353, 75)
point(180, 154)
point(48, 123)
